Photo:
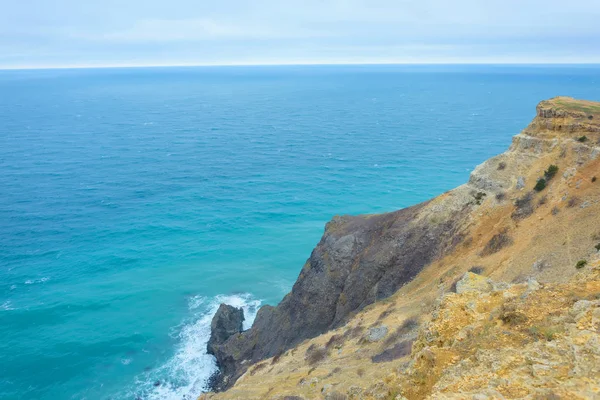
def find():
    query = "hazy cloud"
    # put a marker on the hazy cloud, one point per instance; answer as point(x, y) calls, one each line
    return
point(68, 32)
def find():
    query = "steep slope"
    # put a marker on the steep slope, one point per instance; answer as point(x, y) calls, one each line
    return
point(496, 224)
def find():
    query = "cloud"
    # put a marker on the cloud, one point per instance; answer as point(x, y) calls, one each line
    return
point(75, 31)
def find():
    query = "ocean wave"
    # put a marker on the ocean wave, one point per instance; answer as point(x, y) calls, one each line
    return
point(185, 375)
point(34, 281)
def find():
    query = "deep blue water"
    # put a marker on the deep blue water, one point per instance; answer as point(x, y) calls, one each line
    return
point(133, 201)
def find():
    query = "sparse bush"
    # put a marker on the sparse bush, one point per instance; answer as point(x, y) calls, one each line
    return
point(315, 354)
point(257, 368)
point(335, 341)
point(540, 185)
point(406, 327)
point(277, 357)
point(593, 179)
point(510, 316)
point(497, 243)
point(524, 208)
point(580, 264)
point(550, 172)
point(582, 139)
point(545, 332)
point(501, 165)
point(353, 333)
point(555, 210)
point(598, 247)
point(335, 396)
point(479, 197)
point(573, 201)
point(385, 313)
point(476, 270)
point(500, 196)
point(543, 200)
point(393, 353)
point(360, 372)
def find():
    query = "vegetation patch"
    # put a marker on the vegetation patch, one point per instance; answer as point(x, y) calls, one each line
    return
point(500, 196)
point(407, 326)
point(501, 165)
point(594, 179)
point(573, 201)
point(400, 350)
point(354, 332)
point(582, 139)
point(540, 185)
point(497, 243)
point(510, 316)
point(598, 247)
point(479, 197)
point(277, 357)
point(545, 332)
point(523, 207)
point(257, 368)
point(315, 354)
point(555, 210)
point(335, 341)
point(543, 200)
point(336, 396)
point(550, 172)
point(580, 264)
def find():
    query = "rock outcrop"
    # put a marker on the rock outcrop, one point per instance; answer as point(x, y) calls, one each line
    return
point(228, 321)
point(496, 225)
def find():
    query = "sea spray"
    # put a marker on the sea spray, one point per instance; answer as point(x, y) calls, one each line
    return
point(185, 375)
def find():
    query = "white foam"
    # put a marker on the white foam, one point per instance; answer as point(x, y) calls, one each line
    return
point(6, 306)
point(32, 281)
point(185, 375)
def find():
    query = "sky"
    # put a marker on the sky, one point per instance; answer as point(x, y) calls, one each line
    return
point(90, 33)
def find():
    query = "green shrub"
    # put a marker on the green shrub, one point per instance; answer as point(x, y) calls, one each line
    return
point(580, 264)
point(550, 172)
point(582, 139)
point(598, 247)
point(540, 185)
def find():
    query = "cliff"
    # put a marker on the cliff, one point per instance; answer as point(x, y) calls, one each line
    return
point(376, 298)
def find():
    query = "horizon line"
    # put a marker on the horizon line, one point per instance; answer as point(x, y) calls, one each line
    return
point(306, 63)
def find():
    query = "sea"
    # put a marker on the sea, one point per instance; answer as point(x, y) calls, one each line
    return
point(133, 201)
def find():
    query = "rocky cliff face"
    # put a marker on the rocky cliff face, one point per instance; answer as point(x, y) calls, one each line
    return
point(386, 270)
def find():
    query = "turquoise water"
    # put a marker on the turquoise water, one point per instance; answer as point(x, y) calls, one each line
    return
point(133, 201)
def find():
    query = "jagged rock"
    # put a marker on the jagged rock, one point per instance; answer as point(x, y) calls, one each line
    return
point(227, 322)
point(473, 282)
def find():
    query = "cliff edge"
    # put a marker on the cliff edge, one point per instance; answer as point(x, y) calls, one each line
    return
point(375, 285)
